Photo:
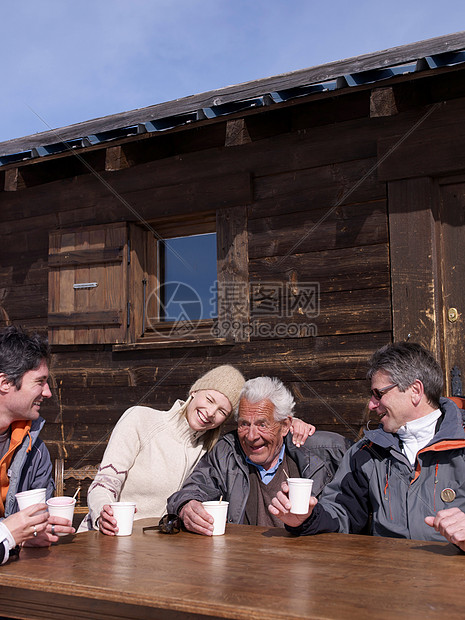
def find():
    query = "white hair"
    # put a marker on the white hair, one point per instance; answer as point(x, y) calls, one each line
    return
point(272, 389)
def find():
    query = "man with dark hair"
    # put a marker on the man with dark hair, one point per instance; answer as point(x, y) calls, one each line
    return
point(406, 479)
point(24, 460)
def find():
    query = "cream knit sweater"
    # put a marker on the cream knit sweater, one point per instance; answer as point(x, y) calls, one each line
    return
point(149, 455)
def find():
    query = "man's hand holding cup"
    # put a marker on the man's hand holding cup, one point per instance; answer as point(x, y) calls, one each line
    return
point(281, 507)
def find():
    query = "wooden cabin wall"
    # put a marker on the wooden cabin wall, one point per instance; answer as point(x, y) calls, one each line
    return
point(316, 212)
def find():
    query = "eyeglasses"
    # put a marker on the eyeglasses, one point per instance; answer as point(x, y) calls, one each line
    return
point(378, 394)
point(168, 524)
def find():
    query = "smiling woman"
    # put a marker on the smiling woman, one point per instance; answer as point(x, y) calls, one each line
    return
point(151, 452)
point(207, 410)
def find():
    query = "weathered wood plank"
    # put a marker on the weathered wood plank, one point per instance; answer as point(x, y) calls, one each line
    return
point(344, 183)
point(353, 311)
point(414, 270)
point(85, 257)
point(438, 126)
point(452, 266)
point(69, 319)
point(163, 199)
point(233, 264)
point(334, 270)
point(318, 229)
point(21, 270)
point(24, 302)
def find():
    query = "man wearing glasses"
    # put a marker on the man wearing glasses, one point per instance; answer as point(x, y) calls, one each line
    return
point(406, 479)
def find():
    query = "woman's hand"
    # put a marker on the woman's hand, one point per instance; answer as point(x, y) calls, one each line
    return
point(24, 523)
point(107, 522)
point(49, 535)
point(301, 431)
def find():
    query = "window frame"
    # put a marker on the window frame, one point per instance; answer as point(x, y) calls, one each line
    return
point(137, 271)
point(168, 228)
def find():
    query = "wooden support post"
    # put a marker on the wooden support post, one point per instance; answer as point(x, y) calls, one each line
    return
point(236, 133)
point(383, 102)
point(233, 274)
point(13, 180)
point(115, 159)
point(414, 268)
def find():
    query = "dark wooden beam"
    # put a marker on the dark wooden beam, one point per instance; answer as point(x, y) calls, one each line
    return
point(414, 269)
point(236, 132)
point(382, 102)
point(70, 319)
point(115, 159)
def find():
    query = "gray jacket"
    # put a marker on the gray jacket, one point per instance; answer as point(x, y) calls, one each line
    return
point(224, 471)
point(377, 490)
point(29, 469)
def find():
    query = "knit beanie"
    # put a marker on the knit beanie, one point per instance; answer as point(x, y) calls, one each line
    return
point(225, 379)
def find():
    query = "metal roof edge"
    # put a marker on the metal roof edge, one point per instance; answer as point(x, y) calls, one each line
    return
point(35, 145)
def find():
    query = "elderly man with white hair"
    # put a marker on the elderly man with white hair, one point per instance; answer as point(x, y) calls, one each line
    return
point(247, 466)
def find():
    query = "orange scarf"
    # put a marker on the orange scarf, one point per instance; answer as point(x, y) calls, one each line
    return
point(19, 430)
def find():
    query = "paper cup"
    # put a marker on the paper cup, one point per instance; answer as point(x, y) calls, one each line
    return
point(124, 515)
point(300, 491)
point(62, 506)
point(28, 498)
point(218, 510)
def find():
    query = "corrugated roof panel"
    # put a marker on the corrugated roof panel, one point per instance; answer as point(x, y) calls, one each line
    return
point(15, 157)
point(237, 106)
point(301, 91)
point(59, 147)
point(447, 59)
point(169, 122)
point(376, 75)
point(116, 134)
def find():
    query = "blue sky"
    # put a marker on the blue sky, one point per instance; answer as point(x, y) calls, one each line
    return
point(67, 61)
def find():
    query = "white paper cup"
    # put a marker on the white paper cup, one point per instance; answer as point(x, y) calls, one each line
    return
point(28, 498)
point(61, 506)
point(218, 510)
point(300, 491)
point(124, 515)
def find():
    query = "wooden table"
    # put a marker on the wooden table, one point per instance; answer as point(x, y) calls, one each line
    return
point(250, 573)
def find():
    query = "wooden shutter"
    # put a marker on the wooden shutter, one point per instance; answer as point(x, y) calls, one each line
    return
point(95, 256)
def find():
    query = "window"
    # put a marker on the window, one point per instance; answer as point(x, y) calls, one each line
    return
point(187, 276)
point(180, 302)
point(130, 283)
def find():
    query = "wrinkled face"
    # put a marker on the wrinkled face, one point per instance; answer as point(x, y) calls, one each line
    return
point(394, 408)
point(207, 409)
point(24, 404)
point(261, 437)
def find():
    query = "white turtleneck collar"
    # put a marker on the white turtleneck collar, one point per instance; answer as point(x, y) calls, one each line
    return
point(416, 434)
